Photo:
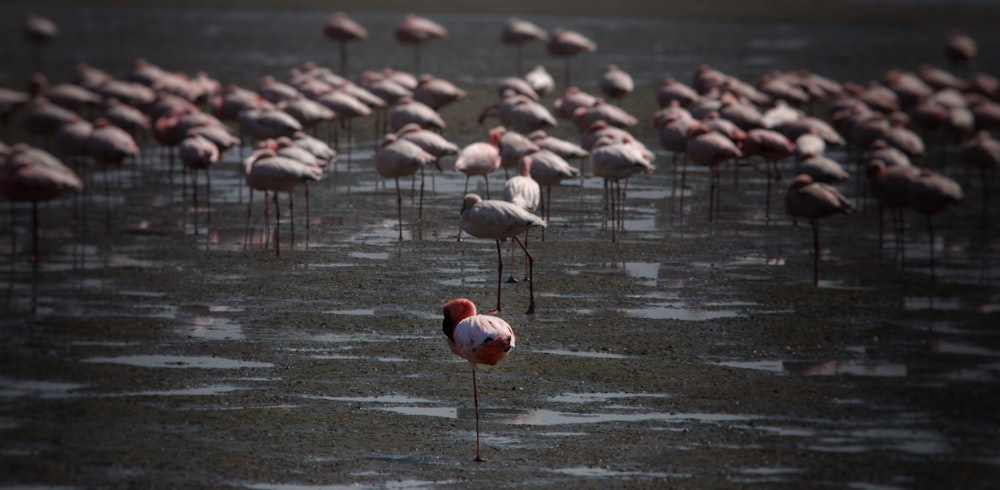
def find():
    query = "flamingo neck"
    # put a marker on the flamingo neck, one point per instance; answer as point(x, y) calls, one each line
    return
point(455, 311)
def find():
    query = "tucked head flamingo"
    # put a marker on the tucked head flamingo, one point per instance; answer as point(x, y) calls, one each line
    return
point(417, 30)
point(479, 339)
point(814, 201)
point(343, 29)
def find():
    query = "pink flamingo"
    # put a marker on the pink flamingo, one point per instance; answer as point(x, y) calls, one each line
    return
point(616, 83)
point(417, 30)
point(406, 110)
point(397, 158)
point(572, 99)
point(34, 175)
point(567, 43)
point(479, 339)
point(616, 161)
point(960, 48)
point(480, 158)
point(266, 171)
point(110, 145)
point(199, 153)
point(432, 143)
point(437, 92)
point(499, 220)
point(890, 185)
point(519, 113)
point(342, 29)
point(540, 80)
point(518, 32)
point(983, 151)
point(771, 146)
point(930, 194)
point(513, 146)
point(39, 32)
point(548, 168)
point(710, 148)
point(814, 201)
point(523, 191)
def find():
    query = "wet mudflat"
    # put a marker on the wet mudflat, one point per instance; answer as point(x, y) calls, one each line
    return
point(162, 353)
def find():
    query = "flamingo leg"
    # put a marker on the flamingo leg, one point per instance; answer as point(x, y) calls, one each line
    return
point(683, 178)
point(277, 226)
point(194, 193)
point(306, 185)
point(291, 215)
point(208, 197)
point(499, 276)
point(34, 233)
point(531, 275)
point(475, 396)
point(815, 227)
point(930, 229)
point(246, 232)
point(399, 209)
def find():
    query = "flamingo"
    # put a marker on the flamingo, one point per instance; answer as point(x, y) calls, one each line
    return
point(612, 114)
point(68, 95)
point(39, 32)
point(930, 194)
point(513, 146)
point(342, 29)
point(479, 339)
point(710, 148)
point(814, 200)
point(34, 175)
point(110, 145)
point(567, 150)
point(518, 32)
point(518, 86)
point(432, 143)
point(406, 110)
point(960, 48)
point(983, 151)
point(548, 168)
point(499, 220)
point(671, 90)
point(480, 158)
point(437, 92)
point(772, 146)
point(890, 185)
point(519, 113)
point(523, 191)
point(540, 80)
point(199, 153)
point(567, 43)
point(417, 30)
point(572, 98)
point(616, 83)
point(614, 162)
point(266, 171)
point(397, 158)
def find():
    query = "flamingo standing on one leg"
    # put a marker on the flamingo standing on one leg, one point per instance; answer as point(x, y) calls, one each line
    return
point(397, 158)
point(479, 339)
point(814, 201)
point(931, 194)
point(198, 153)
point(343, 29)
point(518, 32)
point(417, 30)
point(34, 175)
point(499, 220)
point(567, 44)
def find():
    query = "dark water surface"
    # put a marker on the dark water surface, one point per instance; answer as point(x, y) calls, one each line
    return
point(151, 350)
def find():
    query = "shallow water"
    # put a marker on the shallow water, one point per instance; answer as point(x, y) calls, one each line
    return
point(152, 349)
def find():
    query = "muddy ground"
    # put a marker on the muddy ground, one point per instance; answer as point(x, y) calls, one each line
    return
point(687, 353)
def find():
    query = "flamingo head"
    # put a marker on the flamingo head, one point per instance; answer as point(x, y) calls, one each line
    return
point(455, 311)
